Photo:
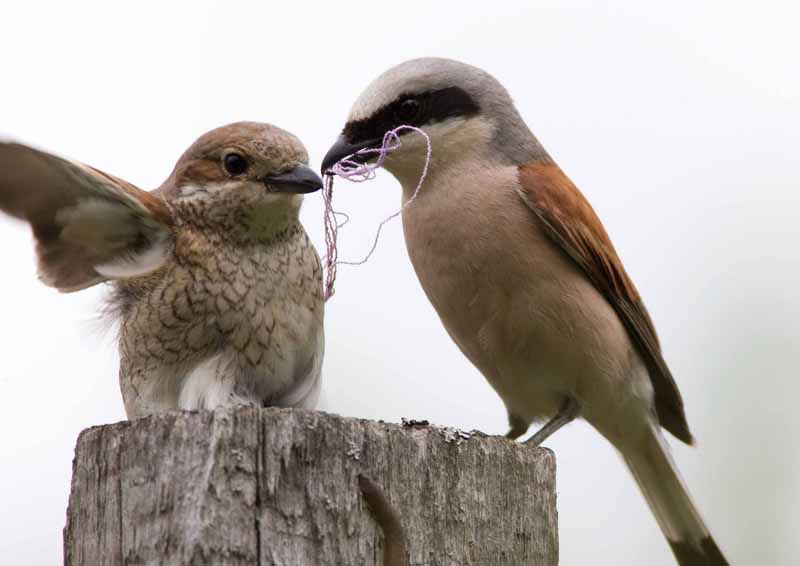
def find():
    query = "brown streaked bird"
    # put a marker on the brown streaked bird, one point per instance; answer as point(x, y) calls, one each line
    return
point(216, 285)
point(525, 279)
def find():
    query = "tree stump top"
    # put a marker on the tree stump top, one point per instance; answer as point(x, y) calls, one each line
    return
point(245, 486)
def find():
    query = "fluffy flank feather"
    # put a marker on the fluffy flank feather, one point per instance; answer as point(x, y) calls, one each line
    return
point(136, 264)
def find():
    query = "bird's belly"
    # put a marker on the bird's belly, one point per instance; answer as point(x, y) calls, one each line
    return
point(281, 371)
point(250, 335)
point(516, 306)
point(498, 331)
point(272, 341)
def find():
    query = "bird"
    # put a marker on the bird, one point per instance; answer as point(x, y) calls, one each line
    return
point(214, 284)
point(525, 278)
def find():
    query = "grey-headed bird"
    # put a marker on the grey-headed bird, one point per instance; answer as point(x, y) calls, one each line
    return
point(216, 286)
point(525, 279)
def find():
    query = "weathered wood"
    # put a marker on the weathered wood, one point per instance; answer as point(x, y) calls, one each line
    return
point(279, 487)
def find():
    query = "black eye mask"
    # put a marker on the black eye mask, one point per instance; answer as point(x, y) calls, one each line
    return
point(413, 110)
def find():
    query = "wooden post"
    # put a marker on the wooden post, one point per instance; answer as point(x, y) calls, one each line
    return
point(260, 487)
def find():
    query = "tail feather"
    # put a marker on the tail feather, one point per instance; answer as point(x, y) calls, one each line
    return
point(665, 492)
point(689, 555)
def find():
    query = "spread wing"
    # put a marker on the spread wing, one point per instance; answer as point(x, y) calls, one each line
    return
point(89, 226)
point(572, 224)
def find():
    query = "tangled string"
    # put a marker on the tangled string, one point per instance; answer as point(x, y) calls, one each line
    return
point(356, 171)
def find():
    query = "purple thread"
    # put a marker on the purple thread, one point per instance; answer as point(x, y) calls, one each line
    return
point(356, 172)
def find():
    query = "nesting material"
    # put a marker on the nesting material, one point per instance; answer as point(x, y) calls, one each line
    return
point(355, 170)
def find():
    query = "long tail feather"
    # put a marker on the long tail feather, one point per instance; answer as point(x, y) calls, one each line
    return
point(665, 492)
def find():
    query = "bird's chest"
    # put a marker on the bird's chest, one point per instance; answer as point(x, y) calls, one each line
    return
point(264, 305)
point(258, 304)
point(482, 263)
point(456, 238)
point(248, 302)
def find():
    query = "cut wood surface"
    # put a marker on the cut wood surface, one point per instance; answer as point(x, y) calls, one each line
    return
point(258, 487)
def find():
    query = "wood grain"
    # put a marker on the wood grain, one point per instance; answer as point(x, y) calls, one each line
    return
point(280, 487)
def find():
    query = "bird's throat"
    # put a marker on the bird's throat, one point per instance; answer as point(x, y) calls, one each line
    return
point(267, 221)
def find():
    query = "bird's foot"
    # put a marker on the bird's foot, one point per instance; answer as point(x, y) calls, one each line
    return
point(518, 427)
point(566, 414)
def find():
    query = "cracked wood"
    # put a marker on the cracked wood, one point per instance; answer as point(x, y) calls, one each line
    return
point(277, 487)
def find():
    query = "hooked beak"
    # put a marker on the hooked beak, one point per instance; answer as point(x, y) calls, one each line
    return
point(342, 148)
point(300, 179)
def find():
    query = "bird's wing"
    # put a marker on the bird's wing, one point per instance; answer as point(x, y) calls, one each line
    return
point(89, 226)
point(569, 220)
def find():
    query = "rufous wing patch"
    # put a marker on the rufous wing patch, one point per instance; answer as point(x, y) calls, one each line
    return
point(569, 220)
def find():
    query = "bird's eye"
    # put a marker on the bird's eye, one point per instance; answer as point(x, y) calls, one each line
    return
point(407, 111)
point(234, 164)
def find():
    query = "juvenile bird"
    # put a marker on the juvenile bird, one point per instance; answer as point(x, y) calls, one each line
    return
point(215, 284)
point(525, 279)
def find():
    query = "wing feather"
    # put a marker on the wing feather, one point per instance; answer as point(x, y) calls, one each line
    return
point(89, 226)
point(572, 224)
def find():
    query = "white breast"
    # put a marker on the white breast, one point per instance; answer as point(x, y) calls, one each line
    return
point(208, 385)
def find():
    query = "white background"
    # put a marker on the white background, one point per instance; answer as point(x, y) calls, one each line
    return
point(678, 120)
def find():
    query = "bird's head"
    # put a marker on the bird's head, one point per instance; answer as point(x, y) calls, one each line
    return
point(249, 177)
point(464, 110)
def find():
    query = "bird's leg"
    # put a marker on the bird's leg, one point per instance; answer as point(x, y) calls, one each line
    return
point(517, 425)
point(566, 414)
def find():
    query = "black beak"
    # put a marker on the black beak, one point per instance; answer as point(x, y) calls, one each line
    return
point(342, 148)
point(301, 179)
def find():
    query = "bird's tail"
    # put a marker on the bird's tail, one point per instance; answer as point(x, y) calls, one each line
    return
point(663, 488)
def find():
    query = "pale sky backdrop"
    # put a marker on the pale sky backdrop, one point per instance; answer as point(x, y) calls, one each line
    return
point(679, 120)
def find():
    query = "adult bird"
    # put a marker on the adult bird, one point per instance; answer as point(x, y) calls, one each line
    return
point(525, 279)
point(215, 284)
